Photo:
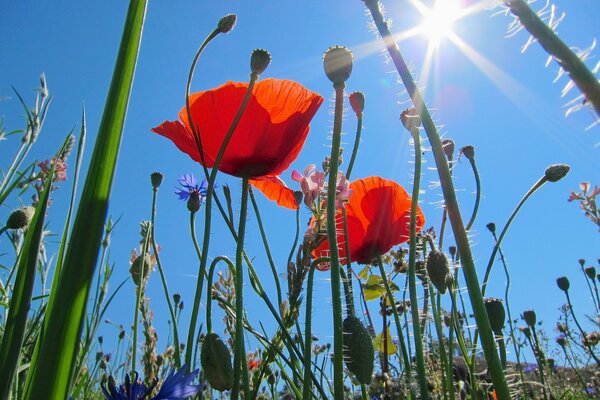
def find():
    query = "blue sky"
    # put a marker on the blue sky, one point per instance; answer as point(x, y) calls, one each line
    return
point(512, 113)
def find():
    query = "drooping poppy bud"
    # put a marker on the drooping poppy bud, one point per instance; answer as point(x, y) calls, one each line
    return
point(530, 317)
point(563, 283)
point(410, 119)
point(338, 64)
point(496, 314)
point(359, 352)
point(259, 61)
point(357, 102)
point(20, 218)
point(448, 145)
point(491, 227)
point(468, 151)
point(156, 179)
point(227, 23)
point(556, 172)
point(215, 359)
point(438, 270)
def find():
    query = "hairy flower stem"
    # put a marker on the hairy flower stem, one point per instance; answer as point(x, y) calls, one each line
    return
point(405, 356)
point(460, 235)
point(446, 367)
point(412, 275)
point(164, 283)
point(338, 330)
point(583, 78)
point(211, 270)
point(355, 148)
point(348, 290)
point(477, 194)
point(239, 357)
point(307, 384)
point(207, 220)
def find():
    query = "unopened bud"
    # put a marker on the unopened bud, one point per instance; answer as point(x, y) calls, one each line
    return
point(176, 298)
point(259, 61)
point(194, 202)
point(338, 64)
point(563, 283)
point(448, 145)
point(556, 172)
point(227, 23)
point(156, 179)
point(438, 270)
point(469, 152)
point(530, 317)
point(410, 119)
point(491, 227)
point(591, 272)
point(357, 102)
point(496, 314)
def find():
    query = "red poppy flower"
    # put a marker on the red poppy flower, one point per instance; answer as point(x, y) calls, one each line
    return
point(275, 189)
point(269, 135)
point(378, 216)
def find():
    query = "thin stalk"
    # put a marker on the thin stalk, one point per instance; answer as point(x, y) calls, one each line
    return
point(460, 235)
point(502, 347)
point(477, 193)
point(307, 386)
point(211, 270)
point(355, 148)
point(138, 301)
point(294, 245)
point(575, 369)
point(164, 282)
point(390, 295)
point(348, 290)
point(583, 78)
point(208, 219)
point(581, 331)
point(446, 369)
point(263, 235)
point(537, 352)
point(338, 330)
point(239, 357)
point(412, 259)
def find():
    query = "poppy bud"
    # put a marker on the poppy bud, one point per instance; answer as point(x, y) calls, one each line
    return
point(121, 334)
point(496, 314)
point(156, 179)
point(581, 262)
point(181, 306)
point(298, 196)
point(452, 250)
point(491, 227)
point(20, 218)
point(357, 102)
point(410, 119)
point(469, 152)
point(141, 265)
point(338, 64)
point(563, 283)
point(227, 23)
point(194, 202)
point(259, 61)
point(448, 145)
point(438, 270)
point(176, 298)
point(530, 317)
point(556, 172)
point(216, 363)
point(590, 272)
point(359, 353)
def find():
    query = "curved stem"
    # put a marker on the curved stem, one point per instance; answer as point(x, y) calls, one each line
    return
point(581, 331)
point(349, 291)
point(355, 148)
point(164, 282)
point(412, 259)
point(477, 194)
point(211, 270)
point(338, 330)
point(460, 235)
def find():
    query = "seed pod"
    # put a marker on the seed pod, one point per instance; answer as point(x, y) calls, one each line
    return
point(20, 218)
point(259, 61)
point(338, 64)
point(156, 179)
point(556, 172)
point(591, 272)
point(530, 317)
point(438, 270)
point(216, 362)
point(496, 314)
point(563, 283)
point(141, 264)
point(359, 353)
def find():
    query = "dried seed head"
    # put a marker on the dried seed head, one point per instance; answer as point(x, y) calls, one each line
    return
point(469, 152)
point(359, 353)
point(357, 102)
point(438, 270)
point(563, 283)
point(410, 119)
point(448, 145)
point(156, 179)
point(338, 64)
point(216, 363)
point(227, 23)
point(140, 268)
point(20, 218)
point(590, 272)
point(496, 314)
point(259, 61)
point(452, 250)
point(556, 172)
point(530, 318)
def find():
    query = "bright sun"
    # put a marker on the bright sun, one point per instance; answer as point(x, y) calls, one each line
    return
point(438, 20)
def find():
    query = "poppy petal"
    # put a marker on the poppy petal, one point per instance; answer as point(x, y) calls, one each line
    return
point(275, 189)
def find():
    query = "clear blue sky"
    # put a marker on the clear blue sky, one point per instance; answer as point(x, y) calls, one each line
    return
point(513, 116)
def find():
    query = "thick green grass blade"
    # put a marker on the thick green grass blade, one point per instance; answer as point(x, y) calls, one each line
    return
point(49, 376)
point(20, 300)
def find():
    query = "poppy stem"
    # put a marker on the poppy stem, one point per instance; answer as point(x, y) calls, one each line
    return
point(307, 383)
point(209, 282)
point(348, 277)
point(477, 196)
point(355, 148)
point(460, 235)
point(338, 330)
point(239, 355)
point(412, 260)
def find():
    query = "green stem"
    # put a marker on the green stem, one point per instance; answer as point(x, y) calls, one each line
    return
point(307, 386)
point(390, 295)
point(502, 347)
point(239, 357)
point(138, 300)
point(412, 277)
point(477, 195)
point(349, 291)
point(541, 359)
point(211, 270)
point(446, 368)
point(355, 148)
point(338, 330)
point(460, 235)
point(581, 331)
point(207, 220)
point(583, 78)
point(164, 283)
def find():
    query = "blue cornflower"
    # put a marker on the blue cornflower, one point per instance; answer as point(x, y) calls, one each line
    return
point(590, 390)
point(529, 367)
point(190, 187)
point(175, 387)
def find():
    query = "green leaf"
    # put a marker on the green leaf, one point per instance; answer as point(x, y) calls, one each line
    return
point(364, 273)
point(50, 374)
point(378, 343)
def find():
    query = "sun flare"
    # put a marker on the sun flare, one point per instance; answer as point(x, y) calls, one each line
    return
point(438, 21)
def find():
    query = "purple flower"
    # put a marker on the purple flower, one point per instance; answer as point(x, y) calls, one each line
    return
point(175, 387)
point(190, 186)
point(590, 390)
point(528, 367)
